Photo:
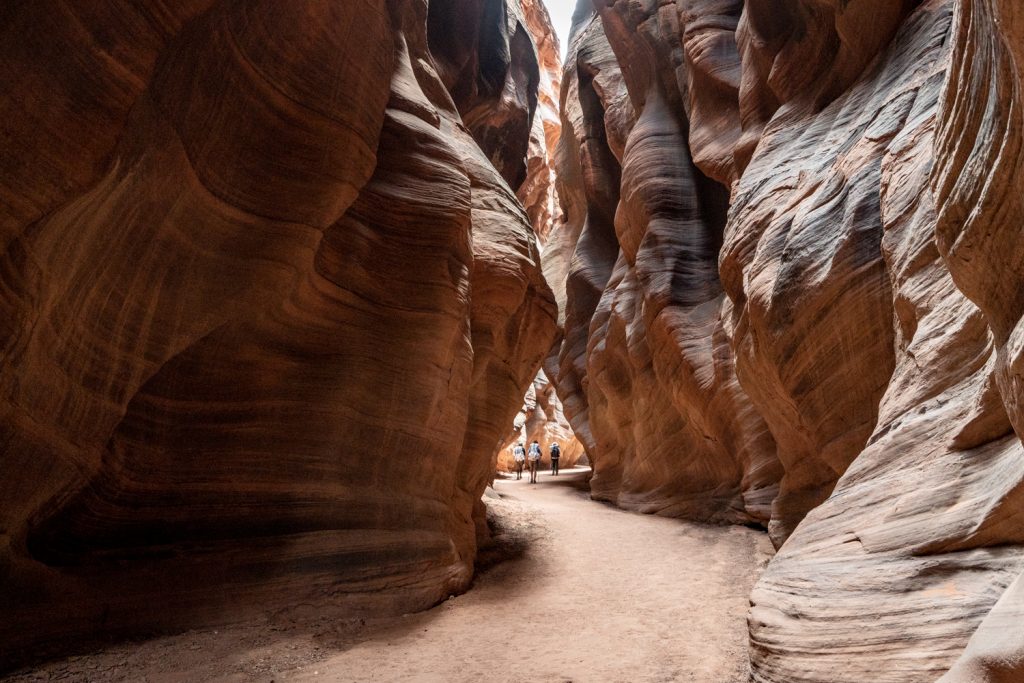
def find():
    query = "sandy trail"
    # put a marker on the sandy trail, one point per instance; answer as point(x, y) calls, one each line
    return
point(593, 594)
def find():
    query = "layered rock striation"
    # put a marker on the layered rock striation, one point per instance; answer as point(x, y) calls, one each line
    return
point(541, 419)
point(268, 301)
point(793, 299)
point(646, 371)
point(538, 192)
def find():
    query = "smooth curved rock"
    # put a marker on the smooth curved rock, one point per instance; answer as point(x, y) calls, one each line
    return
point(671, 431)
point(537, 193)
point(979, 187)
point(264, 323)
point(488, 61)
point(542, 419)
point(872, 294)
point(907, 520)
point(588, 188)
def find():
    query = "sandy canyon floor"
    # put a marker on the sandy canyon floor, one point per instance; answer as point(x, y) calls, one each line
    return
point(572, 590)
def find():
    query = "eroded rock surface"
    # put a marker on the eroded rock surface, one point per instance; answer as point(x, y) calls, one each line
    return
point(266, 306)
point(793, 298)
point(541, 418)
point(538, 192)
point(667, 428)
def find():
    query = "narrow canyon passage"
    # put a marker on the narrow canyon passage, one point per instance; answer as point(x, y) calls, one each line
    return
point(591, 593)
point(283, 285)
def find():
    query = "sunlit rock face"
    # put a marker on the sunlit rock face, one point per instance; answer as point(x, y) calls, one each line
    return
point(541, 419)
point(538, 192)
point(267, 306)
point(541, 416)
point(808, 293)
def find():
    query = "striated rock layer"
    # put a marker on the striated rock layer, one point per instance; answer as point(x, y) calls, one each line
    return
point(541, 418)
point(266, 305)
point(538, 192)
point(646, 371)
point(793, 292)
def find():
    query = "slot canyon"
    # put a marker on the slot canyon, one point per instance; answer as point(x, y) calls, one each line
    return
point(284, 283)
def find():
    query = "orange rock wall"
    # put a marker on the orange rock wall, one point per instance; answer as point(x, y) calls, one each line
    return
point(266, 305)
point(541, 418)
point(793, 299)
point(538, 190)
point(646, 371)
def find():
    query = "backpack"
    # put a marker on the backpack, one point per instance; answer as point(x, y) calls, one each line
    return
point(555, 450)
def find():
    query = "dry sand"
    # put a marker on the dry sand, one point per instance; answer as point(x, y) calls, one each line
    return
point(572, 590)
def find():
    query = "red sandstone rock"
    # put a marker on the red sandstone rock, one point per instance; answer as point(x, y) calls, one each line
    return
point(580, 255)
point(864, 291)
point(537, 193)
point(542, 419)
point(670, 430)
point(896, 548)
point(268, 300)
point(266, 310)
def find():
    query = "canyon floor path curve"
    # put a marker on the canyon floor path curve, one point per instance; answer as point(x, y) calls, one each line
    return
point(578, 591)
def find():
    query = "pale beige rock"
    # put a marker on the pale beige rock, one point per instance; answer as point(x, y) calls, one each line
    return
point(979, 186)
point(542, 419)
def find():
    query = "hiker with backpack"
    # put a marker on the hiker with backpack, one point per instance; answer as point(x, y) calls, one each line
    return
point(519, 455)
point(534, 458)
point(556, 453)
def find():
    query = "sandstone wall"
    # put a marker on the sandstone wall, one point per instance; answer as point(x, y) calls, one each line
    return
point(664, 421)
point(542, 418)
point(802, 310)
point(268, 302)
point(538, 190)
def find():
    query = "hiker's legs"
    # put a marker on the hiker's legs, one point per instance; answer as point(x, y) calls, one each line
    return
point(519, 470)
point(554, 466)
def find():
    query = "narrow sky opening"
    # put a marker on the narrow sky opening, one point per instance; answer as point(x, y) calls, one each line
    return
point(561, 19)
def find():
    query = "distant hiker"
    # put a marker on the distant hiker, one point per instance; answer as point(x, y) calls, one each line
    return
point(556, 453)
point(519, 454)
point(534, 457)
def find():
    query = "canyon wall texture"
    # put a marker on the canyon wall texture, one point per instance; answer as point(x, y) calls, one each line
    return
point(537, 192)
point(268, 304)
point(646, 371)
point(542, 418)
point(793, 296)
